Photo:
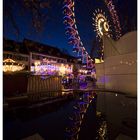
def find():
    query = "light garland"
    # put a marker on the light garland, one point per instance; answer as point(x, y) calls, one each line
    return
point(51, 69)
point(76, 119)
point(73, 35)
point(10, 65)
point(115, 17)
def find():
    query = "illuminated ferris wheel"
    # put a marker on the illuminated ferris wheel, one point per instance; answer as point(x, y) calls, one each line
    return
point(101, 25)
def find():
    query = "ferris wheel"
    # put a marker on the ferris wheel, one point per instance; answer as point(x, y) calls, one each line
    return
point(100, 23)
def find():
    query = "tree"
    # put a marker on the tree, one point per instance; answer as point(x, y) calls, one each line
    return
point(35, 8)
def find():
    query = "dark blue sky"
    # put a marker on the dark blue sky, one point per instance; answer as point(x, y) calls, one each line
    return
point(53, 32)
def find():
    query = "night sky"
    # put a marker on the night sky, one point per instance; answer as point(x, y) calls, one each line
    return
point(18, 21)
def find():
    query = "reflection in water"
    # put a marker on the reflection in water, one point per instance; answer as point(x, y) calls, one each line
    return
point(85, 123)
point(84, 118)
point(76, 119)
point(120, 112)
point(102, 127)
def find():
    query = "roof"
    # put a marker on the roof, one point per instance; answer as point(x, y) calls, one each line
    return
point(28, 46)
point(13, 46)
point(37, 47)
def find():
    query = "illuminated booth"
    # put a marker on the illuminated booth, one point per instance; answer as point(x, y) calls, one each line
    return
point(36, 65)
point(9, 65)
point(50, 67)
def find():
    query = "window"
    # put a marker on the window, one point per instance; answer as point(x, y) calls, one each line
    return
point(36, 57)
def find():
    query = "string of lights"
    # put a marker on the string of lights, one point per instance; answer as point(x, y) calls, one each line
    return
point(76, 119)
point(115, 17)
point(9, 65)
point(73, 35)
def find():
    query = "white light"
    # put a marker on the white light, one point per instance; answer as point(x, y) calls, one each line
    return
point(100, 23)
point(12, 66)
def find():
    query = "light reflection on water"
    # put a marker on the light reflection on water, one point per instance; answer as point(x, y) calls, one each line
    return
point(119, 110)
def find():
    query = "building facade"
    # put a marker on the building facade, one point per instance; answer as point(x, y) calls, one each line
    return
point(38, 58)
